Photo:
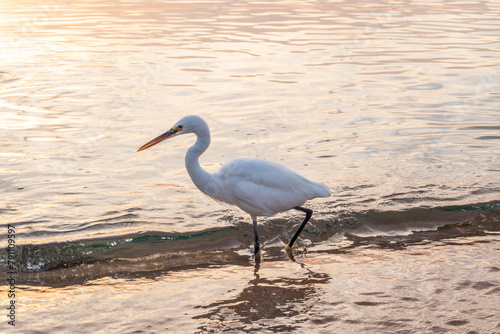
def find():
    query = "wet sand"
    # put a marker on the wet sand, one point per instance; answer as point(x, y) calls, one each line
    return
point(436, 287)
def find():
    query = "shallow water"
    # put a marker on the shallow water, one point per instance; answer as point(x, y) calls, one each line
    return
point(446, 286)
point(393, 105)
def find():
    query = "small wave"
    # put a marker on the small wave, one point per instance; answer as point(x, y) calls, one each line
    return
point(393, 229)
point(430, 86)
point(8, 79)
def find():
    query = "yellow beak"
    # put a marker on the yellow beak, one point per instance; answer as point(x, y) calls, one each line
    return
point(170, 133)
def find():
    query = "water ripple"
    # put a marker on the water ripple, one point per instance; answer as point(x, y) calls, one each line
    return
point(392, 95)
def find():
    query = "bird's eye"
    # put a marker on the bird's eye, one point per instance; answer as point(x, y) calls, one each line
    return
point(179, 127)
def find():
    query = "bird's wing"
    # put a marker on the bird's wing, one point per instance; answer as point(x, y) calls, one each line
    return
point(262, 187)
point(260, 172)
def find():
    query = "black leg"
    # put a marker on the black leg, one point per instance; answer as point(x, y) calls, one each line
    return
point(256, 246)
point(308, 216)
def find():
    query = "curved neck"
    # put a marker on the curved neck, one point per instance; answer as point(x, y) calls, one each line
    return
point(205, 181)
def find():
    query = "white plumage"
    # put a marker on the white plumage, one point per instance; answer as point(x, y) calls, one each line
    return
point(264, 188)
point(258, 187)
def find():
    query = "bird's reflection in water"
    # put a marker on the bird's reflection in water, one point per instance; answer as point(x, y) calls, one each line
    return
point(279, 304)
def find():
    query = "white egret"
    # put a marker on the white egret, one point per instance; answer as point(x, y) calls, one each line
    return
point(258, 187)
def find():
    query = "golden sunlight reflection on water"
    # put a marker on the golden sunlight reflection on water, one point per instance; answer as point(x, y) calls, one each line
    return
point(424, 288)
point(387, 95)
point(393, 105)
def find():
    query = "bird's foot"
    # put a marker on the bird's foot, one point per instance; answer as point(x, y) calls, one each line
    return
point(288, 248)
point(257, 255)
point(256, 248)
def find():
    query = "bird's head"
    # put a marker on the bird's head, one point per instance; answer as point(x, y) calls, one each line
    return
point(187, 124)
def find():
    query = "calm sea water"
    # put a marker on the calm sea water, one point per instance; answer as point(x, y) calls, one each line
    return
point(393, 105)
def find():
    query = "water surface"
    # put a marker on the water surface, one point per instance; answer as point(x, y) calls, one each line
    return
point(393, 105)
